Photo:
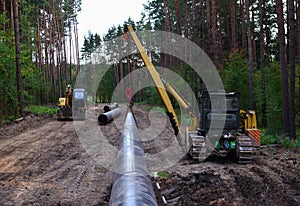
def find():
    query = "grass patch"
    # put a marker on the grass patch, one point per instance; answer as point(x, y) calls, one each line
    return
point(41, 110)
point(161, 174)
point(286, 142)
point(267, 139)
point(157, 109)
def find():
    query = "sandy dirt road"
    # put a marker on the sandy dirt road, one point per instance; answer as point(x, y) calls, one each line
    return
point(47, 165)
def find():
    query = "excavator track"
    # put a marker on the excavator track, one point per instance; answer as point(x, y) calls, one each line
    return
point(198, 148)
point(244, 149)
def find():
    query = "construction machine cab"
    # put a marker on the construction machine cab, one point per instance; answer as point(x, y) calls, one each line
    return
point(79, 104)
point(225, 109)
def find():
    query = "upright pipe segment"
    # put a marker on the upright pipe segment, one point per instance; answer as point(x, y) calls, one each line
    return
point(131, 184)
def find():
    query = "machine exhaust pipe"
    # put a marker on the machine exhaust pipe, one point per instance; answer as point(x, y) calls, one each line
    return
point(108, 108)
point(105, 118)
point(132, 185)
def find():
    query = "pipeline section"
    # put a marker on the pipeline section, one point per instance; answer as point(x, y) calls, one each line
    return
point(106, 117)
point(108, 108)
point(132, 185)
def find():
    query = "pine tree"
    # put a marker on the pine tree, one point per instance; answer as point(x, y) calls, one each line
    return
point(283, 66)
point(18, 62)
point(292, 56)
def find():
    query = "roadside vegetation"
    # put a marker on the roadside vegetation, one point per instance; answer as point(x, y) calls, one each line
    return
point(284, 141)
point(41, 110)
point(32, 109)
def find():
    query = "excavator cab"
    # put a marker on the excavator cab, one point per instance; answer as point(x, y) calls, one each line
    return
point(231, 115)
point(79, 104)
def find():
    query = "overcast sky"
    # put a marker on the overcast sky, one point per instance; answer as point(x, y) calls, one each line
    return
point(98, 16)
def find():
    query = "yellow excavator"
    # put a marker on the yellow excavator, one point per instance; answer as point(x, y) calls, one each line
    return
point(72, 106)
point(240, 133)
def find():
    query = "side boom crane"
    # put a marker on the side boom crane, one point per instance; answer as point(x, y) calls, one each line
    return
point(239, 133)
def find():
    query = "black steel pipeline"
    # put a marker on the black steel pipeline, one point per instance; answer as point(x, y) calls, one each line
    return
point(105, 118)
point(131, 184)
point(108, 108)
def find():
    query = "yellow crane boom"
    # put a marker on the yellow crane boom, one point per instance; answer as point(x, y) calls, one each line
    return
point(159, 85)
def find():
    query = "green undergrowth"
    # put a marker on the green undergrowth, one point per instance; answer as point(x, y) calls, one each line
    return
point(286, 142)
point(34, 109)
point(41, 110)
point(268, 139)
point(9, 119)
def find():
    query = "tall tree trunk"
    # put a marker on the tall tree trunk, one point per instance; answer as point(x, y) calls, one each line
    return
point(262, 62)
point(70, 50)
point(250, 56)
point(179, 29)
point(39, 46)
point(3, 9)
point(214, 31)
point(208, 25)
point(253, 41)
point(46, 34)
point(220, 49)
point(186, 34)
point(267, 47)
point(11, 15)
point(167, 58)
point(194, 22)
point(244, 30)
point(40, 57)
point(56, 48)
point(64, 48)
point(52, 63)
point(292, 56)
point(187, 22)
point(167, 20)
point(178, 19)
point(233, 17)
point(18, 62)
point(283, 66)
point(298, 39)
point(201, 28)
point(298, 48)
point(76, 47)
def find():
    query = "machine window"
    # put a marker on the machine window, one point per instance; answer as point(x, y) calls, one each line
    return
point(79, 95)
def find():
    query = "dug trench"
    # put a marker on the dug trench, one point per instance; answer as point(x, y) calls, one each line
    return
point(47, 165)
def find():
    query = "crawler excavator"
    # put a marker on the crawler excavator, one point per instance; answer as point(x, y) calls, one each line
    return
point(72, 106)
point(239, 133)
